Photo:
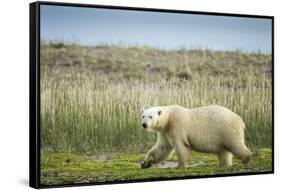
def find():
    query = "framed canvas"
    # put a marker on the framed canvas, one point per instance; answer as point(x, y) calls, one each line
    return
point(126, 94)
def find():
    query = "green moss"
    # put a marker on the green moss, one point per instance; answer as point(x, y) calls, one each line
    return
point(68, 168)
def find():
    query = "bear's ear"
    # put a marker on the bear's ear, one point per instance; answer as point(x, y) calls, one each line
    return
point(159, 112)
point(142, 110)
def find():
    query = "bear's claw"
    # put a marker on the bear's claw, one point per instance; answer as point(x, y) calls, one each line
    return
point(145, 164)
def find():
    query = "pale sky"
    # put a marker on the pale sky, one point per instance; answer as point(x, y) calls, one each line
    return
point(93, 26)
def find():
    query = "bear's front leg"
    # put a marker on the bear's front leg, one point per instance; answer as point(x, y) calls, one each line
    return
point(147, 163)
point(183, 153)
point(159, 152)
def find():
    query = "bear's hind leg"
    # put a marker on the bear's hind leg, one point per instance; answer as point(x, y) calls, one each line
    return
point(247, 155)
point(225, 158)
point(240, 150)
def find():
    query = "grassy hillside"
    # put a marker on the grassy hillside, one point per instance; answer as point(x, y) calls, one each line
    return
point(91, 96)
point(115, 63)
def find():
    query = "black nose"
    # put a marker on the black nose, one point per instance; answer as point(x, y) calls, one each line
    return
point(144, 125)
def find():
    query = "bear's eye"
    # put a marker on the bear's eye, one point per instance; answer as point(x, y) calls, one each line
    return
point(143, 116)
point(150, 117)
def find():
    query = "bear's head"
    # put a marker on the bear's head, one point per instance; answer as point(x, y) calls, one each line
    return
point(152, 118)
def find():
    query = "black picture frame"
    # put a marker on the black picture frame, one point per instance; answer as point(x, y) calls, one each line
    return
point(34, 89)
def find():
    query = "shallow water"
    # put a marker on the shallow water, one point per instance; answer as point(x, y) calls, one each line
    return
point(174, 164)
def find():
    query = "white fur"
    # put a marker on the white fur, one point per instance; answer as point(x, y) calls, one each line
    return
point(210, 129)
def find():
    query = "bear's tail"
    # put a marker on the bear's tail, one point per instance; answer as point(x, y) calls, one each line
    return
point(244, 126)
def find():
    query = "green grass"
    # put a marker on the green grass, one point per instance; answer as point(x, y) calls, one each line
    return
point(68, 168)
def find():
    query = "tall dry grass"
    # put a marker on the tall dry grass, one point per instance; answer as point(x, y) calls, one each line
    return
point(87, 113)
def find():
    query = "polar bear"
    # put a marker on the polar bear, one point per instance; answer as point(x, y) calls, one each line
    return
point(210, 129)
